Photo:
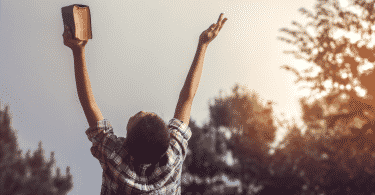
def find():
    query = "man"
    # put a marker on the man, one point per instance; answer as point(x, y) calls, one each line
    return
point(149, 160)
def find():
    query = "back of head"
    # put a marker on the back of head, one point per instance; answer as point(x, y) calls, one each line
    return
point(148, 140)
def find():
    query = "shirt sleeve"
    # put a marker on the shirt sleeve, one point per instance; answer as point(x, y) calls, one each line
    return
point(104, 142)
point(180, 135)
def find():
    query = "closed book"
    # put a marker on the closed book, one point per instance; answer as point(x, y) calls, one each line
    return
point(78, 18)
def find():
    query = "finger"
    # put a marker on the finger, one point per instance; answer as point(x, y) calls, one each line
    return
point(222, 24)
point(69, 34)
point(220, 17)
point(66, 28)
point(218, 26)
point(66, 31)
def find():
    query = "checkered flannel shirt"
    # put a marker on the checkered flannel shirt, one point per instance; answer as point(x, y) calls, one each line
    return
point(122, 176)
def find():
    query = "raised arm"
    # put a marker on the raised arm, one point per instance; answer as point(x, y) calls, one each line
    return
point(86, 97)
point(193, 78)
point(84, 90)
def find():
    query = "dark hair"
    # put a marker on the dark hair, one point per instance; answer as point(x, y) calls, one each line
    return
point(148, 140)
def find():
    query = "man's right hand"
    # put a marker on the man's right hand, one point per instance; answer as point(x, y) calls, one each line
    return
point(71, 42)
point(208, 35)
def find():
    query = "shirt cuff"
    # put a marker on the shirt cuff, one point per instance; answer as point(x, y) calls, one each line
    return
point(181, 127)
point(103, 124)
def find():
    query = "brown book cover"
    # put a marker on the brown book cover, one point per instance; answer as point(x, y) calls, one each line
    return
point(78, 18)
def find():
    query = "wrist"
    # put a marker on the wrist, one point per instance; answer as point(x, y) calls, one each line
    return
point(78, 50)
point(79, 57)
point(202, 45)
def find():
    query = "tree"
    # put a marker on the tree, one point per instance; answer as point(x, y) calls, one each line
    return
point(327, 162)
point(317, 162)
point(316, 165)
point(252, 131)
point(339, 62)
point(204, 164)
point(29, 175)
point(336, 167)
point(342, 78)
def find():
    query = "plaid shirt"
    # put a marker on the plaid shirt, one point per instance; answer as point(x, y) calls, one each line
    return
point(122, 176)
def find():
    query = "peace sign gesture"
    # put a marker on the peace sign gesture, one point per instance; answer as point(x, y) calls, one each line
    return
point(208, 35)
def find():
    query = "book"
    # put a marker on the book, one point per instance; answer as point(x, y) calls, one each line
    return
point(78, 18)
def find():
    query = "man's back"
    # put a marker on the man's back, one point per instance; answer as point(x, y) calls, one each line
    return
point(122, 175)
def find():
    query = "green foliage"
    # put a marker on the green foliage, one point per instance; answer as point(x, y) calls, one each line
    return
point(30, 175)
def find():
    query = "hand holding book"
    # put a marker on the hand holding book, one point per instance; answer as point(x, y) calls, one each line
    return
point(71, 42)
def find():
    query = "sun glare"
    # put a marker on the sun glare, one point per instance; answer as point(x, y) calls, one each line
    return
point(344, 3)
point(361, 92)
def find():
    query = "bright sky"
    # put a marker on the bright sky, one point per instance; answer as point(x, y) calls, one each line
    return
point(138, 59)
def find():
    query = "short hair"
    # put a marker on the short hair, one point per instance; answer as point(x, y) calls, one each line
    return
point(149, 139)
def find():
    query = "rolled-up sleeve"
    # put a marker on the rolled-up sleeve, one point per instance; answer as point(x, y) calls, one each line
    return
point(104, 142)
point(180, 135)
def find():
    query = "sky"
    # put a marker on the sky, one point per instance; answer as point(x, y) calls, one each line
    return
point(138, 59)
